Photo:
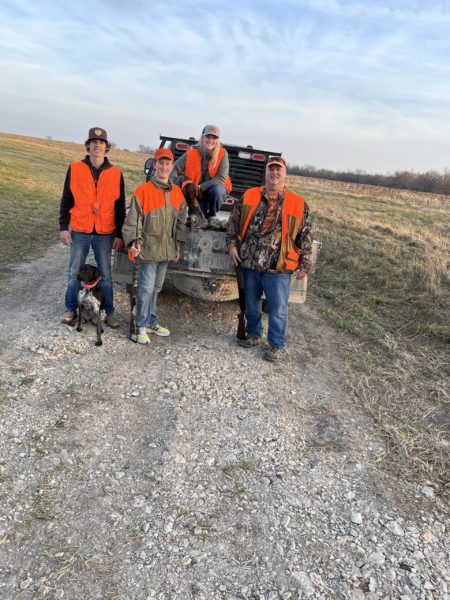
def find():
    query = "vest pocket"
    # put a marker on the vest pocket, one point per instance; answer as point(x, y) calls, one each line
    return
point(79, 221)
point(292, 255)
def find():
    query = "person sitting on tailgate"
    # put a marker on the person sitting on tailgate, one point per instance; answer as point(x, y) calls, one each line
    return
point(202, 173)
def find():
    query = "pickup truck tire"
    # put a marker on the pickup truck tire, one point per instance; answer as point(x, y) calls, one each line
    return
point(206, 288)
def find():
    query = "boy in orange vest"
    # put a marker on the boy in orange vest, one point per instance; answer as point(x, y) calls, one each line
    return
point(154, 230)
point(91, 215)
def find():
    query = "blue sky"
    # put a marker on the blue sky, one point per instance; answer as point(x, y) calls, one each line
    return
point(340, 84)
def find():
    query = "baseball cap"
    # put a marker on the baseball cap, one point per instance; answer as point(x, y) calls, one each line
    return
point(211, 130)
point(279, 160)
point(97, 133)
point(163, 153)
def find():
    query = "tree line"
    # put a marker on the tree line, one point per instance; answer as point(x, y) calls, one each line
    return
point(430, 181)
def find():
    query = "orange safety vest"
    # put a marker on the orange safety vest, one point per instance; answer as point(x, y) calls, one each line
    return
point(193, 170)
point(89, 197)
point(151, 198)
point(291, 220)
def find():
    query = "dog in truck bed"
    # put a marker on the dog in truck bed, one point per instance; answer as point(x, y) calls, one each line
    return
point(192, 195)
point(90, 298)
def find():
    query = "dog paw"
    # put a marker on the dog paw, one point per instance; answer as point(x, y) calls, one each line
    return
point(79, 328)
point(99, 343)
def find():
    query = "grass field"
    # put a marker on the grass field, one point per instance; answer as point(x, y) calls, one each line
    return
point(382, 279)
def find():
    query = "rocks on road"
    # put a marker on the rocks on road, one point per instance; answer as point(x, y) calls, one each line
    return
point(192, 468)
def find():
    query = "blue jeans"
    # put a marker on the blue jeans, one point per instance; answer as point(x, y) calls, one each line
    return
point(212, 200)
point(150, 282)
point(276, 287)
point(79, 249)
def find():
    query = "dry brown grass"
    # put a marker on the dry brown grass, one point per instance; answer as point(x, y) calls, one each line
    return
point(383, 278)
point(76, 559)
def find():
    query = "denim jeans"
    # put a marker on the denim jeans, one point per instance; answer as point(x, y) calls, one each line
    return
point(150, 282)
point(79, 249)
point(276, 287)
point(212, 200)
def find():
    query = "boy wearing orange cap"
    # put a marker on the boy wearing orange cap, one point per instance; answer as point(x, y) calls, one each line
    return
point(154, 230)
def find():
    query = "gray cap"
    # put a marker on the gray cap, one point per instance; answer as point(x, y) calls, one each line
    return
point(211, 130)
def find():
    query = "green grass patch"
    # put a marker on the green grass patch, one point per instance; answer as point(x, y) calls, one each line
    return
point(393, 265)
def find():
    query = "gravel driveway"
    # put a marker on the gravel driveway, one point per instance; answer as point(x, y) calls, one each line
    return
point(193, 468)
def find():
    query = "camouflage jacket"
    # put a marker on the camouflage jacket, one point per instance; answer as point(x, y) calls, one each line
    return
point(260, 252)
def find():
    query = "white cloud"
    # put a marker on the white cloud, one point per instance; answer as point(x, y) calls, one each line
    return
point(326, 82)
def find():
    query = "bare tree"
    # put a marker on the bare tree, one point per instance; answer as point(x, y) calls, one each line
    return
point(145, 149)
point(430, 181)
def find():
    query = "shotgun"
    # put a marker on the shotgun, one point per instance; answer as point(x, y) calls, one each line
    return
point(133, 287)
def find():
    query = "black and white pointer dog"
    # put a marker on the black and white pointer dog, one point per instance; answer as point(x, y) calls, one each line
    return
point(90, 297)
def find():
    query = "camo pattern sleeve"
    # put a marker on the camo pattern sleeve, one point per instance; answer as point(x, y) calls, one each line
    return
point(304, 241)
point(233, 225)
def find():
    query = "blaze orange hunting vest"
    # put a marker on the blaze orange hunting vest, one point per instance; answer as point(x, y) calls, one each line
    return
point(151, 198)
point(93, 204)
point(291, 220)
point(193, 168)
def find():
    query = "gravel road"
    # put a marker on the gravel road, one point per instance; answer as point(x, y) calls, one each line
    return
point(193, 468)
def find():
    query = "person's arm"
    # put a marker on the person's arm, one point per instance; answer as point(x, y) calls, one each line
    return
point(67, 202)
point(133, 218)
point(221, 175)
point(119, 217)
point(304, 241)
point(233, 231)
point(120, 210)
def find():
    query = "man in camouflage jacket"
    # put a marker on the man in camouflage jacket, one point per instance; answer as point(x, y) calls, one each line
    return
point(269, 236)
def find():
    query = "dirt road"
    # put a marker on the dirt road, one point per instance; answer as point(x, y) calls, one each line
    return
point(193, 468)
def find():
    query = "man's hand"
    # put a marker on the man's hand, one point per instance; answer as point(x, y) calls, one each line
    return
point(234, 255)
point(178, 256)
point(118, 244)
point(299, 274)
point(65, 237)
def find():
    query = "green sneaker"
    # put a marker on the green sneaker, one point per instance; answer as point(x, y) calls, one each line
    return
point(162, 331)
point(140, 338)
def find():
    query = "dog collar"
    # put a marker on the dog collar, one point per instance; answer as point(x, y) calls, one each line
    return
point(89, 286)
